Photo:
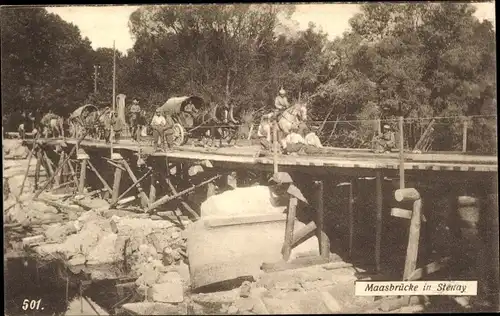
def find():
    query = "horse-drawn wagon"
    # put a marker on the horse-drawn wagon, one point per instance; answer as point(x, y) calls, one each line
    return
point(194, 117)
point(87, 118)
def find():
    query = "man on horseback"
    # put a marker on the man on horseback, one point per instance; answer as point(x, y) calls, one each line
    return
point(135, 112)
point(280, 103)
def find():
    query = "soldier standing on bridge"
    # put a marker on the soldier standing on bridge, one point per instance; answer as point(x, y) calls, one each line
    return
point(135, 113)
point(158, 124)
point(386, 141)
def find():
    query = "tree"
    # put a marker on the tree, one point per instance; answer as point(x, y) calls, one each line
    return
point(45, 62)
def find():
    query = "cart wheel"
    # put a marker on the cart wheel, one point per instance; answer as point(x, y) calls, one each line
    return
point(179, 135)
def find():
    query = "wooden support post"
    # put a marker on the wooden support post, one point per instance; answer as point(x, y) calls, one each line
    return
point(30, 156)
point(324, 241)
point(116, 185)
point(67, 158)
point(152, 188)
point(83, 176)
point(290, 224)
point(464, 137)
point(275, 147)
point(51, 169)
point(73, 172)
point(351, 219)
point(59, 175)
point(142, 195)
point(210, 189)
point(401, 154)
point(378, 237)
point(104, 183)
point(414, 235)
point(37, 168)
point(135, 184)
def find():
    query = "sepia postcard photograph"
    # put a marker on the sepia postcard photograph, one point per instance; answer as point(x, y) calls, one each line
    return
point(250, 158)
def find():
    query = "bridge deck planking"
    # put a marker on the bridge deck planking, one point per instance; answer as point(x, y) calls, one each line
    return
point(341, 159)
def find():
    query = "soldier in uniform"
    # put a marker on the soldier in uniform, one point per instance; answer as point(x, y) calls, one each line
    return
point(386, 141)
point(280, 103)
point(135, 113)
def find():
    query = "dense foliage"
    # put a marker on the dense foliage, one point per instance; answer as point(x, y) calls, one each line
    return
point(415, 60)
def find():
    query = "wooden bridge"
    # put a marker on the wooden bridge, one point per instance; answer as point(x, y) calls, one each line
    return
point(68, 161)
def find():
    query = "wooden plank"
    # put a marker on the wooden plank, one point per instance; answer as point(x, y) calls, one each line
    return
point(304, 234)
point(294, 264)
point(402, 213)
point(289, 228)
point(242, 220)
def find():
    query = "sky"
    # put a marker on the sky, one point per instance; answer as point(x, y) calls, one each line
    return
point(104, 24)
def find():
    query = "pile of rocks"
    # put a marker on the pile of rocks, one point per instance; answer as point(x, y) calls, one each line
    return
point(14, 149)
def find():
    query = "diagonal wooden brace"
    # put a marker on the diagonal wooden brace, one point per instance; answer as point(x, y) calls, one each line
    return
point(142, 195)
point(184, 204)
point(104, 183)
point(167, 198)
point(135, 184)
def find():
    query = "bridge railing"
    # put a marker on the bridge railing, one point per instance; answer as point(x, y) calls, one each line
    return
point(472, 134)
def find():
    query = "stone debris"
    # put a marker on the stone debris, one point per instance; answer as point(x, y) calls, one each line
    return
point(13, 149)
point(245, 289)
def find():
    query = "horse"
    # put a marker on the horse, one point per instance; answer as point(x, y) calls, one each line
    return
point(52, 124)
point(224, 116)
point(291, 117)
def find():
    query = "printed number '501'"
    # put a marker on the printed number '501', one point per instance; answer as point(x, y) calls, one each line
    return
point(31, 304)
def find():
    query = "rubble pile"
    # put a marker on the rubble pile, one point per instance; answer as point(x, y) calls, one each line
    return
point(14, 149)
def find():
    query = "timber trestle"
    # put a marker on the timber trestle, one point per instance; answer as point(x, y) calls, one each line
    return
point(144, 184)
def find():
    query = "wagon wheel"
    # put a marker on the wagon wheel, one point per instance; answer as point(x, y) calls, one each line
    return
point(179, 135)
